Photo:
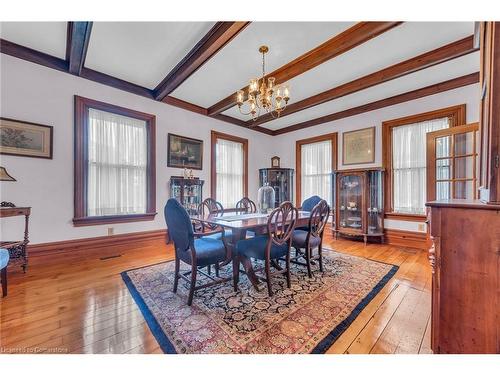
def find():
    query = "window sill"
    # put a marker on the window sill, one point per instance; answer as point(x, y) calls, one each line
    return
point(406, 217)
point(112, 219)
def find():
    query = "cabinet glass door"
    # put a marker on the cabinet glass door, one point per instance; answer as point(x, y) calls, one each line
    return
point(375, 203)
point(350, 202)
point(191, 197)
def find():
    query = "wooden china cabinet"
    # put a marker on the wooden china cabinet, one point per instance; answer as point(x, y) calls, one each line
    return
point(188, 191)
point(359, 203)
point(465, 231)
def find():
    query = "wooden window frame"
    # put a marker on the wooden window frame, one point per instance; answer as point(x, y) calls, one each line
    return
point(213, 162)
point(333, 137)
point(457, 116)
point(82, 106)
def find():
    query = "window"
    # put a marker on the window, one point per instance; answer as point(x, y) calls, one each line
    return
point(114, 164)
point(315, 159)
point(229, 180)
point(405, 158)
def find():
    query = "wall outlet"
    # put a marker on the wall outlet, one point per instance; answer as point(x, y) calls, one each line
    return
point(111, 231)
point(421, 227)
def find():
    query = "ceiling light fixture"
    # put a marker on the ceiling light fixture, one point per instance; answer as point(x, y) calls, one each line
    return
point(264, 95)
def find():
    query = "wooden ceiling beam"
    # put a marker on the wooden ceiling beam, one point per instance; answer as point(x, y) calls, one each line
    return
point(339, 44)
point(437, 56)
point(77, 42)
point(397, 99)
point(56, 63)
point(218, 36)
point(31, 55)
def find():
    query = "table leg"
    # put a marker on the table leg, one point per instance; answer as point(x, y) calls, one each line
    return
point(240, 234)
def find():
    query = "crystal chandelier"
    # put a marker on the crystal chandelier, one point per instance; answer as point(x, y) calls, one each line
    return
point(264, 95)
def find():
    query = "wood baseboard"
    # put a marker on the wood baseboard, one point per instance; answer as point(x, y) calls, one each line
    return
point(59, 247)
point(406, 238)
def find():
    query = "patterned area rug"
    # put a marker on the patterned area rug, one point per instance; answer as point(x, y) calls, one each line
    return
point(307, 318)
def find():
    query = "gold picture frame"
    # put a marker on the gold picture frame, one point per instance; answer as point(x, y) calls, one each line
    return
point(358, 146)
point(22, 138)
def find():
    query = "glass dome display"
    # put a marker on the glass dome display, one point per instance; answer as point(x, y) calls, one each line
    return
point(265, 199)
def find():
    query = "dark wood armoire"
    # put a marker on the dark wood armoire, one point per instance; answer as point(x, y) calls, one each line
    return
point(466, 232)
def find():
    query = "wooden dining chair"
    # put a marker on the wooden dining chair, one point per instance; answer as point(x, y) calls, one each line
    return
point(271, 247)
point(308, 205)
point(246, 205)
point(198, 250)
point(305, 241)
point(310, 202)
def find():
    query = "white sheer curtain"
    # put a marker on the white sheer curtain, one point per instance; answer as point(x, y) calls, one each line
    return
point(230, 170)
point(117, 164)
point(316, 170)
point(409, 164)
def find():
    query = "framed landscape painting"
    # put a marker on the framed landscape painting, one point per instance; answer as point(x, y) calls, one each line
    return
point(184, 152)
point(358, 146)
point(21, 138)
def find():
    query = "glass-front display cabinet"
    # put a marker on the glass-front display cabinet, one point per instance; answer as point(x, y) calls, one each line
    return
point(359, 203)
point(281, 180)
point(188, 191)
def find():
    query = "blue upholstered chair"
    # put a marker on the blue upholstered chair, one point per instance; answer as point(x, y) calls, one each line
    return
point(310, 202)
point(4, 260)
point(308, 205)
point(197, 252)
point(272, 247)
point(211, 207)
point(305, 241)
point(246, 206)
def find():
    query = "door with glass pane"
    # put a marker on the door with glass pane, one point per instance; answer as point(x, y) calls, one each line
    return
point(452, 163)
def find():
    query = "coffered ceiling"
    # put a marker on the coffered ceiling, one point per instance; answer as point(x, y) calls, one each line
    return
point(331, 67)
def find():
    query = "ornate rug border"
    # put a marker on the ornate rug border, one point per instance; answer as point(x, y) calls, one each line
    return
point(167, 347)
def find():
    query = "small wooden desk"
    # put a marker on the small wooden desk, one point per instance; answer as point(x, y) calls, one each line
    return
point(17, 249)
point(239, 229)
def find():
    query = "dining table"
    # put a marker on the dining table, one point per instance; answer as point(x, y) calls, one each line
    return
point(240, 224)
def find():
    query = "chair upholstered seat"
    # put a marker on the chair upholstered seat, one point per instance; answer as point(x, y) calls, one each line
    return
point(255, 248)
point(4, 258)
point(208, 251)
point(299, 239)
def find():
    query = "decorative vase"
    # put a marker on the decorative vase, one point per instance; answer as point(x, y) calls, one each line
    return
point(265, 199)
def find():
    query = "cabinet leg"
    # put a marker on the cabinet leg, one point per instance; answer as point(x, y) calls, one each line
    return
point(365, 239)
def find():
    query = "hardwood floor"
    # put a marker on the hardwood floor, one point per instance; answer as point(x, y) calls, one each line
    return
point(78, 303)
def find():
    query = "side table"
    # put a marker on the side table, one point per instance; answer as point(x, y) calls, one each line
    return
point(17, 249)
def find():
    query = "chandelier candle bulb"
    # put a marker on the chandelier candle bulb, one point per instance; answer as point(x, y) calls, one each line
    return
point(270, 83)
point(240, 97)
point(287, 93)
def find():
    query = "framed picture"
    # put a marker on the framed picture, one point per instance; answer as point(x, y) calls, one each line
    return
point(358, 146)
point(275, 162)
point(184, 152)
point(22, 138)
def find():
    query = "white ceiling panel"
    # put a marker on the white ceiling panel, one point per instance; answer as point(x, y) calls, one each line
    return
point(401, 43)
point(142, 52)
point(47, 37)
point(232, 67)
point(442, 72)
point(396, 45)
